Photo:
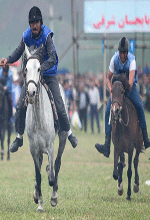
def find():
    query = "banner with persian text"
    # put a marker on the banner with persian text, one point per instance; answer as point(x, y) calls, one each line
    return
point(115, 16)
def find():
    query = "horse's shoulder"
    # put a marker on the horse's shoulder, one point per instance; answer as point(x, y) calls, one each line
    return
point(130, 105)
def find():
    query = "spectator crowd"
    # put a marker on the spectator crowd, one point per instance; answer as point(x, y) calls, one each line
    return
point(84, 93)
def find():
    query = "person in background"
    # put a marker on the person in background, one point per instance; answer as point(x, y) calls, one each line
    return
point(68, 94)
point(36, 35)
point(6, 76)
point(94, 98)
point(123, 62)
point(83, 105)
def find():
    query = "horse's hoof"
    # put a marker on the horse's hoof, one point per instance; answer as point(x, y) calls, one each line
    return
point(135, 188)
point(128, 198)
point(40, 209)
point(54, 202)
point(120, 190)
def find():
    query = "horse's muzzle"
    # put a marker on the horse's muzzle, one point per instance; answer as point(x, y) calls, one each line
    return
point(116, 111)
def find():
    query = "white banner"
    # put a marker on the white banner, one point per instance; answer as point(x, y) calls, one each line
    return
point(116, 16)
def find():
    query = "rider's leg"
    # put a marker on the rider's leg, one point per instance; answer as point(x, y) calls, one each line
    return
point(53, 84)
point(105, 148)
point(136, 100)
point(19, 122)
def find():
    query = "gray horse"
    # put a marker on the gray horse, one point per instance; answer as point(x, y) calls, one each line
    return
point(40, 128)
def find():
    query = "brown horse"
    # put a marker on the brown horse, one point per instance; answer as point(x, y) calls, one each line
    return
point(126, 133)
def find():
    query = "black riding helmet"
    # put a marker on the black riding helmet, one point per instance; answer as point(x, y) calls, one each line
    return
point(123, 45)
point(35, 15)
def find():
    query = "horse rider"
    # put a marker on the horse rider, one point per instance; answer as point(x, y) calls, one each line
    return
point(6, 76)
point(36, 35)
point(123, 62)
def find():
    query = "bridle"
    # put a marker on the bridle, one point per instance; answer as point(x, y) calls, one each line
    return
point(37, 85)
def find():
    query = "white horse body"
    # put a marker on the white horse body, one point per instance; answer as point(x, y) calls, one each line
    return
point(40, 129)
point(40, 123)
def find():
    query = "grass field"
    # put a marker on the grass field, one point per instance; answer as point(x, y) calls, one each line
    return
point(87, 189)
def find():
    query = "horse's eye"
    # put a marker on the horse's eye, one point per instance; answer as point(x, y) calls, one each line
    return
point(39, 69)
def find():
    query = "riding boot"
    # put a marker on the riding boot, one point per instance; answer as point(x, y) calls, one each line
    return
point(65, 126)
point(145, 138)
point(104, 148)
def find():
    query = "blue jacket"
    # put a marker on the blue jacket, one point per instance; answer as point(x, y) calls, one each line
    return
point(8, 80)
point(29, 41)
point(124, 68)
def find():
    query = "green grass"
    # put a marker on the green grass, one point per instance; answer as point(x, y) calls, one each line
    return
point(87, 189)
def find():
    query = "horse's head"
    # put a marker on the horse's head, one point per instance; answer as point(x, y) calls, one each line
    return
point(33, 72)
point(120, 87)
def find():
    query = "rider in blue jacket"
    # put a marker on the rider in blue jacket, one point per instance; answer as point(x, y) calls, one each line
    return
point(123, 62)
point(36, 35)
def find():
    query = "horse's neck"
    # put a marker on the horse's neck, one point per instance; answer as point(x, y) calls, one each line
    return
point(39, 105)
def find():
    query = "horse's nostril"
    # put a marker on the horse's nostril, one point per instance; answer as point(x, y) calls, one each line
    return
point(34, 93)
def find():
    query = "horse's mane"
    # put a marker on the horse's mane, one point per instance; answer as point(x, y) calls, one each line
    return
point(123, 79)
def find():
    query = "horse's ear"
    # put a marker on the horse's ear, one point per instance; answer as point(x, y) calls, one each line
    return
point(27, 52)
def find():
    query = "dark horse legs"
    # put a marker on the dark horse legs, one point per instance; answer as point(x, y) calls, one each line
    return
point(62, 143)
point(129, 175)
point(37, 193)
point(136, 183)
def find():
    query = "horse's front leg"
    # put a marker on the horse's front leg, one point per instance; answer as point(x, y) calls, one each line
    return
point(116, 157)
point(136, 183)
point(120, 184)
point(37, 193)
point(49, 168)
point(129, 174)
point(62, 143)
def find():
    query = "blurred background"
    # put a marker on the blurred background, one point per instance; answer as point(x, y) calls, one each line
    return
point(58, 16)
point(86, 35)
